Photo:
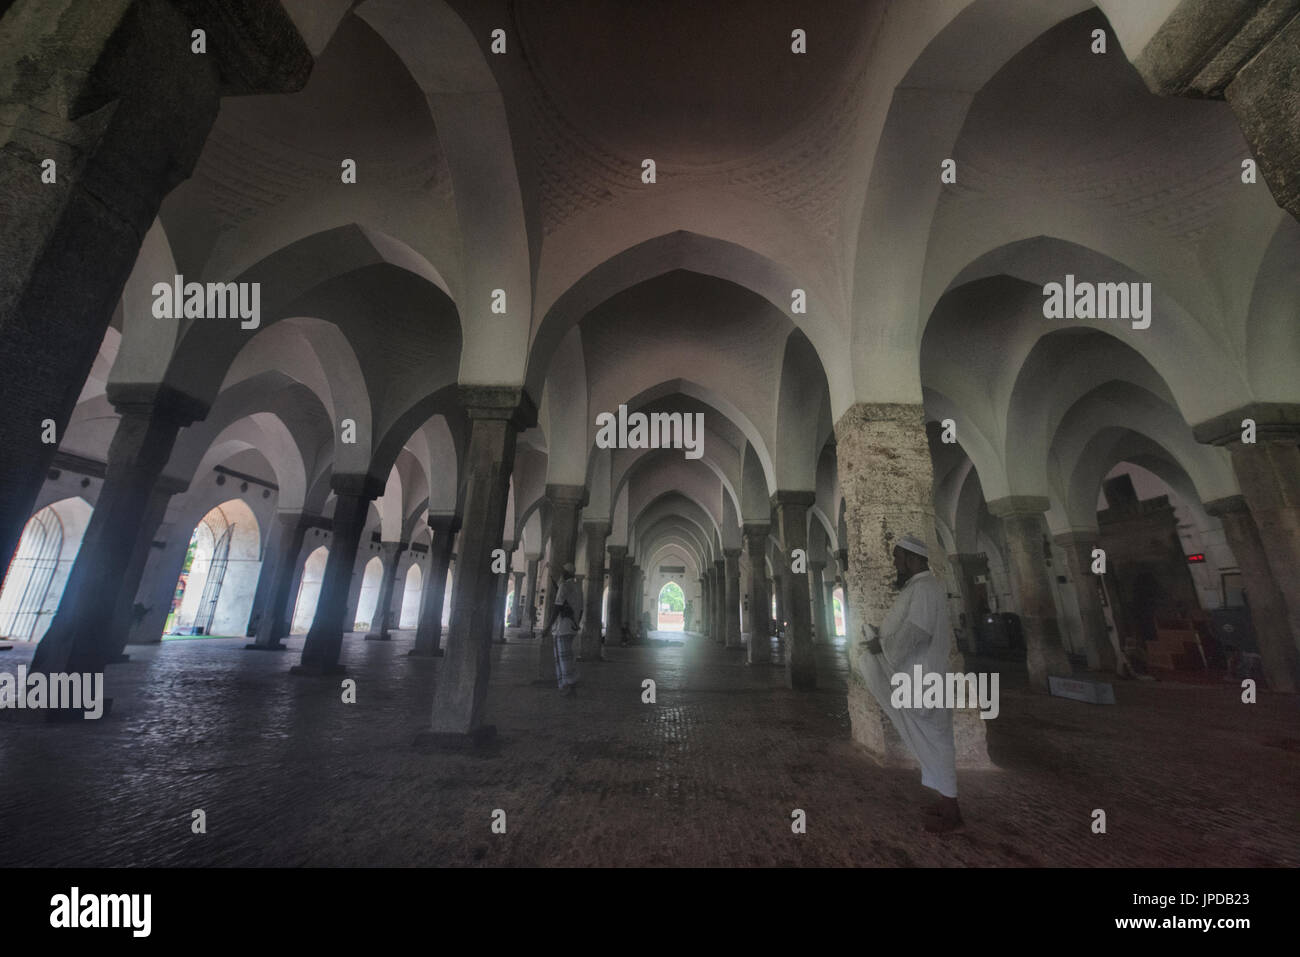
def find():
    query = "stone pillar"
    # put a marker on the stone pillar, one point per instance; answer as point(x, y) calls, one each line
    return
point(499, 604)
point(1244, 53)
point(497, 414)
point(77, 639)
point(731, 563)
point(530, 604)
point(698, 618)
point(842, 562)
point(614, 607)
point(112, 94)
point(1022, 520)
point(1098, 646)
point(966, 568)
point(828, 607)
point(760, 615)
point(628, 611)
point(719, 630)
point(1268, 472)
point(629, 589)
point(818, 588)
point(443, 527)
point(779, 589)
point(517, 605)
point(119, 634)
point(390, 554)
point(566, 503)
point(885, 472)
point(281, 563)
point(792, 518)
point(320, 650)
point(1268, 615)
point(589, 644)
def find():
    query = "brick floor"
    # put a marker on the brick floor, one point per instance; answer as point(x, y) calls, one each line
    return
point(288, 775)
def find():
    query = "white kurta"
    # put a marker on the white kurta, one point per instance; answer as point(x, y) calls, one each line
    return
point(917, 631)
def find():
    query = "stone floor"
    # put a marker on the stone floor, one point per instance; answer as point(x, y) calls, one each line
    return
point(709, 775)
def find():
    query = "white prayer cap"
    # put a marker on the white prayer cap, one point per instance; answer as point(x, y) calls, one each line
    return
point(912, 543)
point(568, 567)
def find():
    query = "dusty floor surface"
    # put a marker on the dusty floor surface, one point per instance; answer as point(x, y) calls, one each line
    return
point(709, 775)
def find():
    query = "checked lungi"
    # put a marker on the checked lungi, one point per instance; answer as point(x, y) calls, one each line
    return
point(566, 669)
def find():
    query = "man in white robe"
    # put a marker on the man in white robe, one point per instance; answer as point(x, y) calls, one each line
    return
point(565, 621)
point(917, 632)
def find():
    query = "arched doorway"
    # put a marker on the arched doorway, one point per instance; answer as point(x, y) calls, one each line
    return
point(33, 584)
point(304, 609)
point(671, 607)
point(410, 616)
point(369, 599)
point(215, 590)
point(837, 604)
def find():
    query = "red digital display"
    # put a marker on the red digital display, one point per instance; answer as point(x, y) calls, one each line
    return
point(1198, 557)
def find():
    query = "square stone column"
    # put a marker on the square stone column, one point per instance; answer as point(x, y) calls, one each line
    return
point(518, 603)
point(503, 583)
point(530, 603)
point(719, 630)
point(111, 92)
point(760, 614)
point(566, 503)
point(821, 634)
point(124, 616)
point(497, 414)
point(888, 481)
point(614, 607)
point(842, 563)
point(792, 516)
point(1022, 521)
point(589, 643)
point(731, 562)
point(779, 587)
point(1099, 644)
point(1268, 472)
point(78, 639)
point(1268, 613)
point(428, 632)
point(324, 642)
point(389, 555)
point(1247, 53)
point(283, 563)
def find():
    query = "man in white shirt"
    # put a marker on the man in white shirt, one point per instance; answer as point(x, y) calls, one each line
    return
point(917, 631)
point(564, 620)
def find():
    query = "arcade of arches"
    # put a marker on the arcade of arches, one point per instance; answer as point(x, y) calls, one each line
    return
point(402, 447)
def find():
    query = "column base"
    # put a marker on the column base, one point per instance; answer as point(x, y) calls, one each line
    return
point(317, 670)
point(377, 637)
point(421, 653)
point(277, 646)
point(434, 741)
